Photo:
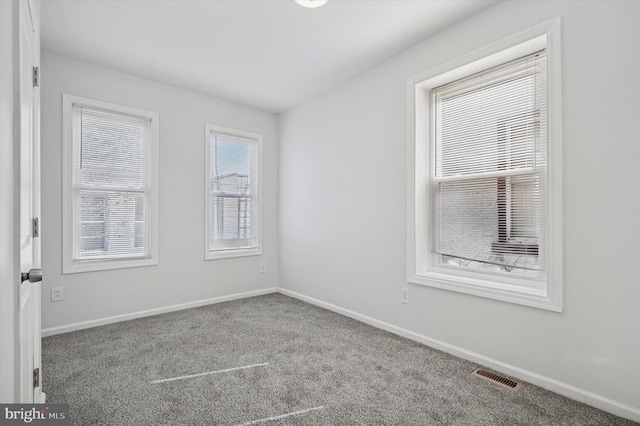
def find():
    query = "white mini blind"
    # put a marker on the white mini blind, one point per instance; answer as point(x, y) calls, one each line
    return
point(487, 187)
point(233, 187)
point(111, 185)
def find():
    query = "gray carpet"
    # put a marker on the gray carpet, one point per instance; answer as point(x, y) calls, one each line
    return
point(304, 366)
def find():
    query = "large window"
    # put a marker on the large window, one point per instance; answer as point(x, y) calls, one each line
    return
point(485, 184)
point(489, 153)
point(110, 186)
point(233, 207)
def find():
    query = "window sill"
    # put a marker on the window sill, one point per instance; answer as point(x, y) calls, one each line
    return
point(513, 292)
point(227, 254)
point(104, 265)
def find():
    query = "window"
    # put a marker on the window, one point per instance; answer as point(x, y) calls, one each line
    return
point(233, 193)
point(485, 165)
point(489, 158)
point(110, 186)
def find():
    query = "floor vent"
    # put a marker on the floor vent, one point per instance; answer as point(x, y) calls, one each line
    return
point(497, 378)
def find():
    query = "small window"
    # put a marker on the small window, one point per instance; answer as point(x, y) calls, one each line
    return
point(110, 186)
point(485, 173)
point(233, 195)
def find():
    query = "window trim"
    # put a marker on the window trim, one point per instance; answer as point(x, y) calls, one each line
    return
point(68, 265)
point(230, 253)
point(545, 293)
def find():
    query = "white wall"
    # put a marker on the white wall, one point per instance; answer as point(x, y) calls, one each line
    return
point(343, 173)
point(182, 275)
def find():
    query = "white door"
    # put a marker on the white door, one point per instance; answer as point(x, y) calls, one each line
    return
point(29, 307)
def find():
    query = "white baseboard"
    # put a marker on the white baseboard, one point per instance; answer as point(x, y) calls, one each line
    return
point(573, 392)
point(140, 314)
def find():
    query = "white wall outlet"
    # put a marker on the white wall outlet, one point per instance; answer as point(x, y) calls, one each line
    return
point(263, 268)
point(404, 295)
point(57, 294)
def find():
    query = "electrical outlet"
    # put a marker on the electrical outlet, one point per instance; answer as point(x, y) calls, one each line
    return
point(404, 295)
point(263, 268)
point(57, 294)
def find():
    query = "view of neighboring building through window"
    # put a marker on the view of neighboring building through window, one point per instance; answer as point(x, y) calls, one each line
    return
point(490, 157)
point(112, 188)
point(231, 208)
point(233, 194)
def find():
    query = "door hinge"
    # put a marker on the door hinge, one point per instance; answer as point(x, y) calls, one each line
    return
point(36, 76)
point(36, 227)
point(36, 378)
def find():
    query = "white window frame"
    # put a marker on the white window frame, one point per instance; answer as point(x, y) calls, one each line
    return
point(240, 252)
point(70, 266)
point(545, 293)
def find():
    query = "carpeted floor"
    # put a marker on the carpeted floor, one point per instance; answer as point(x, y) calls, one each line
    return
point(275, 360)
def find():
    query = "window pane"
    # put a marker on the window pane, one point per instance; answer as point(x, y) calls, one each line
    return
point(489, 157)
point(111, 150)
point(107, 225)
point(231, 217)
point(233, 170)
point(470, 126)
point(111, 179)
point(467, 230)
point(230, 165)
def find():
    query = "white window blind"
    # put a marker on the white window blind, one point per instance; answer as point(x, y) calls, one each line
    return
point(489, 153)
point(111, 185)
point(233, 180)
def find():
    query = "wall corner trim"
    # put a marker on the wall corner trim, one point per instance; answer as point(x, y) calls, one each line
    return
point(565, 389)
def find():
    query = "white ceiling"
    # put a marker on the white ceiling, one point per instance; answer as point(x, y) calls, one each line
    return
point(269, 54)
